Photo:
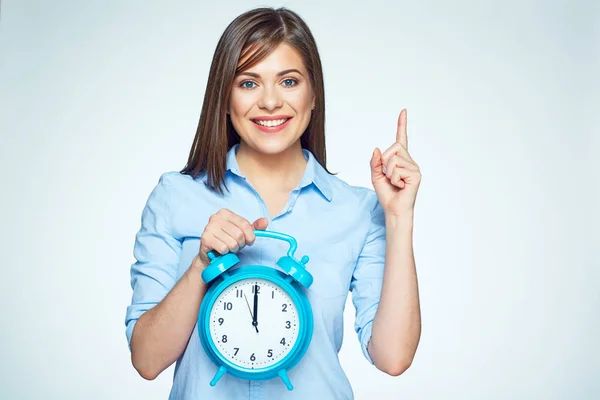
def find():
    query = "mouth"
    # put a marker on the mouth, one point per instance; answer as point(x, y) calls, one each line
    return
point(273, 125)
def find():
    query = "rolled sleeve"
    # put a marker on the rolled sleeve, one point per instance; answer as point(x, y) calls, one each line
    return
point(367, 277)
point(156, 252)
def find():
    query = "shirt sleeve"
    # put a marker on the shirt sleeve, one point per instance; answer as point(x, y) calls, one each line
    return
point(367, 277)
point(156, 252)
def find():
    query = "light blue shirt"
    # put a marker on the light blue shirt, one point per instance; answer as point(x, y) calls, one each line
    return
point(340, 227)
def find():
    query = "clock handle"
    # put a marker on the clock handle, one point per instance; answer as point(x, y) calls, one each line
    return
point(274, 235)
point(284, 237)
point(295, 268)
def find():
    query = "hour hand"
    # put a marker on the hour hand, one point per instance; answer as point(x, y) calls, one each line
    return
point(255, 319)
point(251, 315)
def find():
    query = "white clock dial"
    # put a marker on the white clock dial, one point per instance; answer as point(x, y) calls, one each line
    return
point(254, 342)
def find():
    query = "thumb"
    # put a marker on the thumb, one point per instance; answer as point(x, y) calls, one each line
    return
point(376, 164)
point(260, 223)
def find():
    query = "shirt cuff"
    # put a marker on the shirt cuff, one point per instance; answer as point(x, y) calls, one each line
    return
point(129, 331)
point(134, 312)
point(365, 336)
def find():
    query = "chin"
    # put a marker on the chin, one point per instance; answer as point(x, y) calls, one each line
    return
point(272, 147)
point(272, 144)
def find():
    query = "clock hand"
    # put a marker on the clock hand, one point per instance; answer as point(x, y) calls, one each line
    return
point(252, 316)
point(255, 315)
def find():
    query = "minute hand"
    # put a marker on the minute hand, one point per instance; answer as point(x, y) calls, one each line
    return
point(255, 314)
point(250, 311)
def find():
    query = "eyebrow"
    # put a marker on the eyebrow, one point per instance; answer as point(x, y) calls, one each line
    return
point(281, 73)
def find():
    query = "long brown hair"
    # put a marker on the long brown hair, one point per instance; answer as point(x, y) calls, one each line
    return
point(253, 34)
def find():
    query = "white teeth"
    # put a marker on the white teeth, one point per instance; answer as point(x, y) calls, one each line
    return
point(271, 123)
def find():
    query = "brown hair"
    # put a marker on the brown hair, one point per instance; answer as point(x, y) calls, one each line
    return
point(255, 33)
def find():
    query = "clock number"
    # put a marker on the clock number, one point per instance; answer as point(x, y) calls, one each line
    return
point(221, 320)
point(252, 358)
point(227, 306)
point(273, 294)
point(236, 350)
point(288, 324)
point(282, 341)
point(239, 293)
point(270, 353)
point(257, 289)
point(224, 339)
point(284, 308)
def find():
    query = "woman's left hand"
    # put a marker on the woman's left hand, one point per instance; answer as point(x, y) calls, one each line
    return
point(395, 175)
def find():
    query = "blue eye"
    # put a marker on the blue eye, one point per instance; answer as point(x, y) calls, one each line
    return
point(289, 80)
point(246, 84)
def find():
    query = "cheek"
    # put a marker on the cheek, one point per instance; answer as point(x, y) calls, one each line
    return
point(240, 105)
point(236, 114)
point(300, 101)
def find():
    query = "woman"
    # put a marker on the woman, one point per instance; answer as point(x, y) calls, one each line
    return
point(258, 161)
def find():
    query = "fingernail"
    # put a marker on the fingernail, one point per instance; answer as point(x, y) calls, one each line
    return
point(384, 169)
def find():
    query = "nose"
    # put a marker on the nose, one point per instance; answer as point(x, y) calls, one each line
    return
point(270, 98)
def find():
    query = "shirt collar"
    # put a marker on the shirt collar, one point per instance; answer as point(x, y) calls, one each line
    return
point(313, 174)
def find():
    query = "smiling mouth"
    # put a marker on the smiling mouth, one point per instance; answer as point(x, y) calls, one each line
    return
point(271, 123)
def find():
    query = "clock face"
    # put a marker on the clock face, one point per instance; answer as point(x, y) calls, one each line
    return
point(254, 323)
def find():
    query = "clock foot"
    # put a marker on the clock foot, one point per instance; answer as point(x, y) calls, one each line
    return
point(284, 377)
point(222, 370)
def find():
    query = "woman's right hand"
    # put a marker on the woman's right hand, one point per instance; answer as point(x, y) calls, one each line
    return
point(227, 232)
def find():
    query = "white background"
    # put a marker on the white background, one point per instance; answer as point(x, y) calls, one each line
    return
point(97, 99)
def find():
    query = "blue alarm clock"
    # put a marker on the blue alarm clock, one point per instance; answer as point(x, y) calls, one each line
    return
point(255, 322)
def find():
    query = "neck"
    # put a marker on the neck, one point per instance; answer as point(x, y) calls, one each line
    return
point(279, 171)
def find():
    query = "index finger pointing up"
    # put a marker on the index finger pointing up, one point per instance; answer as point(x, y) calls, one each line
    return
point(401, 133)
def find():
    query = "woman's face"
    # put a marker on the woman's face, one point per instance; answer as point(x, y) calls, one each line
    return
point(270, 104)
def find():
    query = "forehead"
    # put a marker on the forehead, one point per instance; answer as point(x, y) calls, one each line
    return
point(282, 57)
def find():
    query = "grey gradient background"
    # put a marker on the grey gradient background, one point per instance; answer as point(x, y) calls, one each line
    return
point(98, 98)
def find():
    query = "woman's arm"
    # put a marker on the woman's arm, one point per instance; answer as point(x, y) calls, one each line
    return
point(161, 334)
point(397, 324)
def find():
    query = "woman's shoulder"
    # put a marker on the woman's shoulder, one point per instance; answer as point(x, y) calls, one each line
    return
point(177, 178)
point(173, 178)
point(343, 187)
point(173, 184)
point(342, 191)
